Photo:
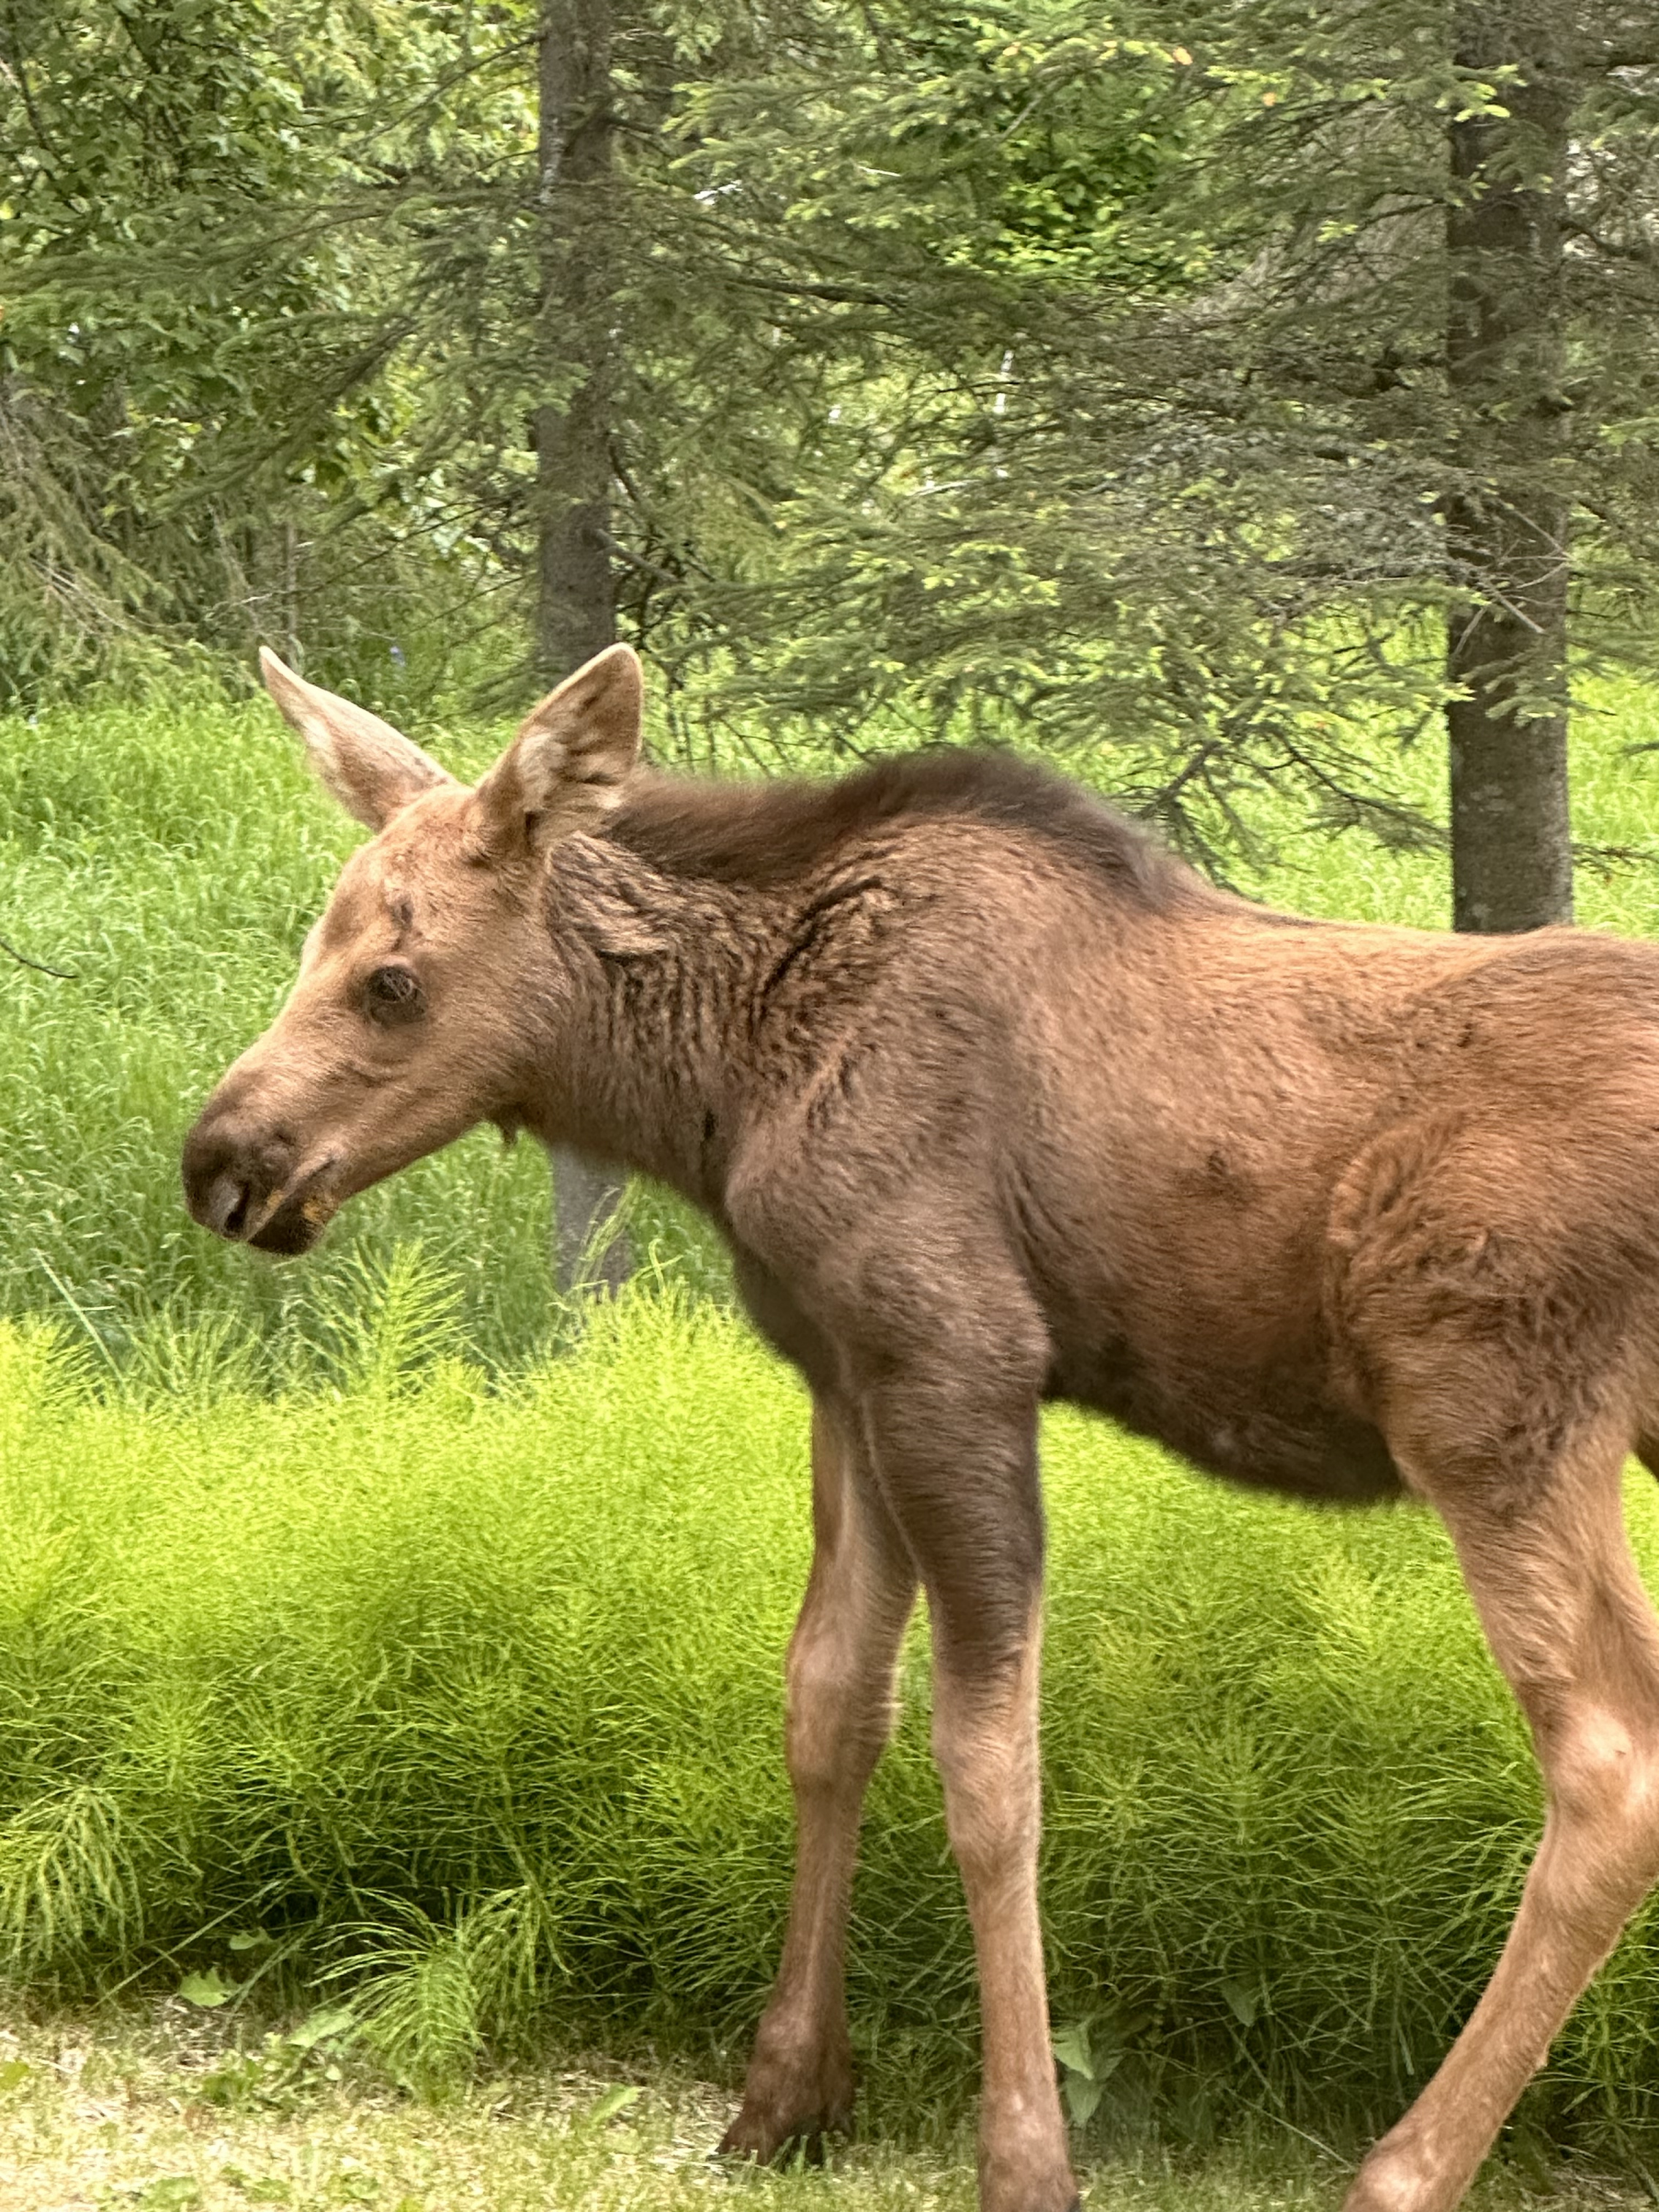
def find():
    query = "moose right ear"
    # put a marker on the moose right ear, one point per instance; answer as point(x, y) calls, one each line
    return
point(371, 769)
point(566, 769)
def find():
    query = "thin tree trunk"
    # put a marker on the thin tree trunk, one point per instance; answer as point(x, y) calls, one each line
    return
point(1508, 520)
point(289, 601)
point(575, 591)
point(591, 1249)
point(575, 599)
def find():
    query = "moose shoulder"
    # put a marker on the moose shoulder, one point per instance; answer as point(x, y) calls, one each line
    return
point(996, 1100)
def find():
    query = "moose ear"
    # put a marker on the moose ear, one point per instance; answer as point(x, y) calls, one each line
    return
point(371, 769)
point(567, 768)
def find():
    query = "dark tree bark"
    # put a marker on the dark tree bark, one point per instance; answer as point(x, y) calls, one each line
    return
point(575, 598)
point(575, 589)
point(1507, 520)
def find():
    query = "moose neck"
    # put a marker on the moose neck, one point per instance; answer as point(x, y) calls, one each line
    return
point(658, 1053)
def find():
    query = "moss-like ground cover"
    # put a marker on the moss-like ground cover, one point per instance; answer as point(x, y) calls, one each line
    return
point(467, 1705)
point(133, 2109)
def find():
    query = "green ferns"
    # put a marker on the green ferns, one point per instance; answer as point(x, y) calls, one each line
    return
point(461, 1706)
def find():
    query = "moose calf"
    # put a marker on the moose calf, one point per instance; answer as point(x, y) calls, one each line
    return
point(995, 1102)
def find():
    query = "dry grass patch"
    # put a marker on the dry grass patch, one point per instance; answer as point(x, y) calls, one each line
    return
point(93, 2119)
point(103, 2111)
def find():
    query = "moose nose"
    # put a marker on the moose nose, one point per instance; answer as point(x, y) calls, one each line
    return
point(229, 1173)
point(224, 1209)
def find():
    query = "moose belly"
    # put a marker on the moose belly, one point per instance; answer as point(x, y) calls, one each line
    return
point(1273, 1428)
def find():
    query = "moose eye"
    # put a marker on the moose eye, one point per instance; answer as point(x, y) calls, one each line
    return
point(393, 994)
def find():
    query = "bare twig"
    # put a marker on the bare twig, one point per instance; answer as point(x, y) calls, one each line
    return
point(64, 974)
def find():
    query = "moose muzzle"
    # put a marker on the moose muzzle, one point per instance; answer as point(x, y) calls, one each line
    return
point(249, 1184)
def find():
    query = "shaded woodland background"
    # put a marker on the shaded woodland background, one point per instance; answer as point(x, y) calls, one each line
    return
point(1212, 395)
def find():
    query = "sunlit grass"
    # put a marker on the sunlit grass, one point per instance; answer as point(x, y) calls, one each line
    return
point(354, 1649)
point(463, 1705)
point(133, 2108)
point(1615, 795)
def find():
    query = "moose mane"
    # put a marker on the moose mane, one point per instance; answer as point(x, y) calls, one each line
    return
point(763, 835)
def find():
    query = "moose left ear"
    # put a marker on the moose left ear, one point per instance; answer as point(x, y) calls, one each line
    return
point(567, 768)
point(371, 769)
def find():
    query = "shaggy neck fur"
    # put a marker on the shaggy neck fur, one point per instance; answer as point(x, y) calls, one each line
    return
point(665, 1016)
point(718, 938)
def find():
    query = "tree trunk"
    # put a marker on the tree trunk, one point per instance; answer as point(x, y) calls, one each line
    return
point(1507, 518)
point(591, 1250)
point(575, 591)
point(575, 598)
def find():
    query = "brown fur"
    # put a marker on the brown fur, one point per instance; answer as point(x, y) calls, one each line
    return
point(996, 1100)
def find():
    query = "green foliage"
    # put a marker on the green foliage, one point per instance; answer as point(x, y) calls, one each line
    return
point(201, 375)
point(275, 2075)
point(1152, 471)
point(469, 1707)
point(1073, 378)
point(435, 1991)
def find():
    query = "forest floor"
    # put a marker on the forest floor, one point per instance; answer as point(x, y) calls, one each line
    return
point(128, 2109)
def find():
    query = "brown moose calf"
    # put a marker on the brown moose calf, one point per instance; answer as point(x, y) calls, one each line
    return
point(996, 1101)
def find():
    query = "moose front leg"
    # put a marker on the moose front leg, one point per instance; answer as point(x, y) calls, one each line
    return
point(961, 1474)
point(839, 1713)
point(985, 1739)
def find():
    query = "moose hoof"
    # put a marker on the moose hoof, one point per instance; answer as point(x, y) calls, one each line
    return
point(775, 2133)
point(793, 2100)
point(778, 2144)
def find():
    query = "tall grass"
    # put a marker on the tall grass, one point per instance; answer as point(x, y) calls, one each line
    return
point(465, 1703)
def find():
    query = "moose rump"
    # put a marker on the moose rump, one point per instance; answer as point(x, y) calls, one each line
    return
point(996, 1100)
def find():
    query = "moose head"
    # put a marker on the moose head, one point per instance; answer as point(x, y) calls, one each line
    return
point(425, 989)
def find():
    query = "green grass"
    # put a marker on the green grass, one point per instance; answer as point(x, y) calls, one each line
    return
point(1615, 798)
point(131, 2109)
point(173, 855)
point(464, 1705)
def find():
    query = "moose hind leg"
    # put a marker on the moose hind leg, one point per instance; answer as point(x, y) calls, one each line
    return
point(840, 1710)
point(1570, 1626)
